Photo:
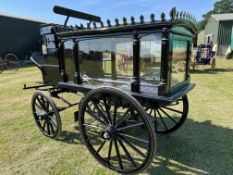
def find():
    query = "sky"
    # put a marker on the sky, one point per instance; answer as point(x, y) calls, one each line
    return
point(42, 10)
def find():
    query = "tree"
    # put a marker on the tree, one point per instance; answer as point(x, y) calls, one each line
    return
point(222, 6)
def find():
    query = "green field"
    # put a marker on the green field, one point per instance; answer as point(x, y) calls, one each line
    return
point(204, 145)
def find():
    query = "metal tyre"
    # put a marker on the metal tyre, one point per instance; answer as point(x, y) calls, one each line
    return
point(116, 130)
point(11, 62)
point(171, 116)
point(46, 115)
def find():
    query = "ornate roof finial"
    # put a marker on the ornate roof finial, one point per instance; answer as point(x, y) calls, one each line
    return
point(117, 22)
point(185, 15)
point(163, 16)
point(124, 21)
point(181, 14)
point(109, 23)
point(177, 15)
point(173, 13)
point(102, 24)
point(141, 19)
point(88, 25)
point(152, 17)
point(132, 20)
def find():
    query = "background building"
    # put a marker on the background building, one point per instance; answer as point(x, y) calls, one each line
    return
point(19, 36)
point(220, 27)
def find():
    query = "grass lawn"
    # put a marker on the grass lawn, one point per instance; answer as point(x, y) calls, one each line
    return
point(203, 145)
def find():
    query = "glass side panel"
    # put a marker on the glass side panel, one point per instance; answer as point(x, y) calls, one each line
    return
point(150, 61)
point(179, 61)
point(103, 60)
point(69, 60)
point(108, 61)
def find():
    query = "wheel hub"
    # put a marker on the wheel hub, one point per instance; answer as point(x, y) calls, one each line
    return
point(109, 133)
point(106, 135)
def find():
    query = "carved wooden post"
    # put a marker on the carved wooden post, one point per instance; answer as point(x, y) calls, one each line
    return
point(164, 72)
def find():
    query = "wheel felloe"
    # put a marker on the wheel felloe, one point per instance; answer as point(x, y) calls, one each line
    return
point(113, 134)
point(46, 115)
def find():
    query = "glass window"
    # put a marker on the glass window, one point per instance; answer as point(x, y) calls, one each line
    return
point(179, 60)
point(69, 60)
point(100, 57)
point(150, 62)
point(105, 59)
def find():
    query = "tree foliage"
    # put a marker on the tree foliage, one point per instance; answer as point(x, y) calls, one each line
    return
point(220, 7)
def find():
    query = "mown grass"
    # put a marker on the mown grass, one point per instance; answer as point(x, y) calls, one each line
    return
point(203, 145)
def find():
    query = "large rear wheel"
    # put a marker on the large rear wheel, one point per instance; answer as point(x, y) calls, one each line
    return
point(116, 130)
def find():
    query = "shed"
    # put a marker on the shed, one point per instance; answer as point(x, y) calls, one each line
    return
point(220, 26)
point(19, 35)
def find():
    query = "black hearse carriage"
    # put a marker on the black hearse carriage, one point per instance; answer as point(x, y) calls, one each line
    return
point(134, 77)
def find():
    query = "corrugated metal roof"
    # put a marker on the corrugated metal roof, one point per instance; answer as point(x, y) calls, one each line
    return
point(223, 17)
point(22, 18)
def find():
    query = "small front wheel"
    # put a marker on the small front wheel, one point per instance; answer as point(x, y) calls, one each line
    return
point(116, 130)
point(46, 115)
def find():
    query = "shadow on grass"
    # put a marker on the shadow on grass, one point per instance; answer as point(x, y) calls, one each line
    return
point(210, 71)
point(196, 148)
point(70, 137)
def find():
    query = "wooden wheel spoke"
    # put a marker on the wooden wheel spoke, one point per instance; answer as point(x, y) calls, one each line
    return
point(109, 151)
point(93, 137)
point(100, 112)
point(107, 107)
point(51, 126)
point(48, 128)
point(52, 123)
point(134, 138)
point(49, 113)
point(133, 147)
point(130, 126)
point(44, 125)
point(122, 118)
point(129, 157)
point(47, 106)
point(151, 110)
point(174, 110)
point(95, 117)
point(161, 118)
point(118, 154)
point(101, 146)
point(168, 115)
point(92, 126)
point(107, 115)
point(41, 104)
point(114, 114)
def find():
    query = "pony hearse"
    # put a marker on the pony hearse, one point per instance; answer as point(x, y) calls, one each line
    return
point(128, 73)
